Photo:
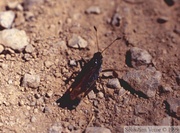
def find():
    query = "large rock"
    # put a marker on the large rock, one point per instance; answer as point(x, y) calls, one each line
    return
point(14, 39)
point(144, 81)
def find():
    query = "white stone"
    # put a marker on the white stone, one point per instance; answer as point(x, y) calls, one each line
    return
point(31, 81)
point(7, 18)
point(93, 10)
point(15, 5)
point(1, 48)
point(77, 42)
point(14, 39)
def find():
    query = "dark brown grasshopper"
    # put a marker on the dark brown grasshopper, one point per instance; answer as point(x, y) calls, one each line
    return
point(85, 80)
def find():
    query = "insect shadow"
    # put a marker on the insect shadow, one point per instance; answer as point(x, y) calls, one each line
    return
point(85, 81)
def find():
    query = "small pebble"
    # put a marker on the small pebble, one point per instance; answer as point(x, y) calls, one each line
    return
point(35, 110)
point(72, 63)
point(31, 81)
point(7, 18)
point(33, 119)
point(166, 121)
point(91, 95)
point(47, 110)
point(139, 57)
point(10, 81)
point(114, 83)
point(29, 16)
point(138, 121)
point(93, 10)
point(108, 74)
point(37, 95)
point(95, 103)
point(21, 103)
point(174, 106)
point(162, 20)
point(116, 19)
point(29, 48)
point(28, 4)
point(77, 42)
point(4, 66)
point(27, 57)
point(62, 45)
point(55, 128)
point(15, 6)
point(28, 108)
point(100, 95)
point(49, 94)
point(1, 49)
point(48, 64)
point(70, 127)
point(167, 88)
point(140, 109)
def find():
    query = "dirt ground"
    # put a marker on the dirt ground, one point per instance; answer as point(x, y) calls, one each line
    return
point(153, 25)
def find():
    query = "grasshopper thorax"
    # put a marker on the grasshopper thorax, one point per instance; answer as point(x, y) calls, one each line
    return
point(97, 58)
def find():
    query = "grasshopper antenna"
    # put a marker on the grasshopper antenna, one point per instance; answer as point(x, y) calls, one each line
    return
point(118, 38)
point(96, 38)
